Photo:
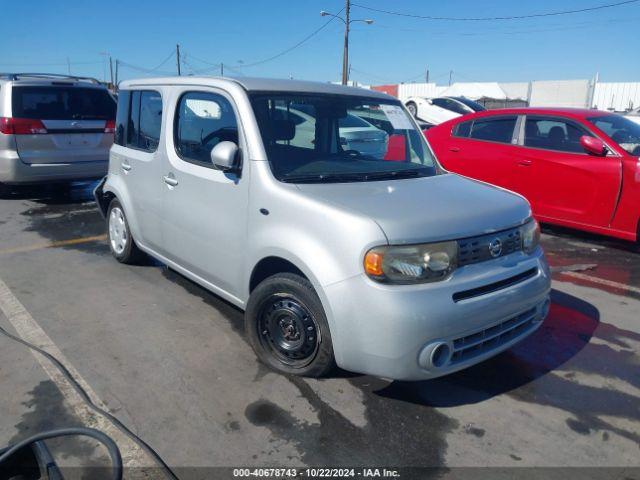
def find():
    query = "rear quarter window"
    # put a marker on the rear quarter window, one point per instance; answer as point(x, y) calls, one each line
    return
point(62, 103)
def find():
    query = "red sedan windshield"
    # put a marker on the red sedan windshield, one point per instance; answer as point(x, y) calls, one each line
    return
point(621, 130)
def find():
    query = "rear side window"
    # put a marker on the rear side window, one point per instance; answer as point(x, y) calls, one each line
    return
point(450, 105)
point(202, 121)
point(143, 120)
point(122, 116)
point(554, 134)
point(462, 129)
point(62, 103)
point(493, 129)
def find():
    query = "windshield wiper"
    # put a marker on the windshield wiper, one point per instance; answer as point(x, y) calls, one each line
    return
point(325, 178)
point(394, 174)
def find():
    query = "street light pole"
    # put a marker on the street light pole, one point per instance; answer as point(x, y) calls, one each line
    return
point(347, 26)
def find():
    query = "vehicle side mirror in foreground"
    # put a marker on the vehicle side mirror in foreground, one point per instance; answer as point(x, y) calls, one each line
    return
point(224, 156)
point(593, 145)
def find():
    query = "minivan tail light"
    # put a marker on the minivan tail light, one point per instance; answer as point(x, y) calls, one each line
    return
point(21, 126)
point(110, 126)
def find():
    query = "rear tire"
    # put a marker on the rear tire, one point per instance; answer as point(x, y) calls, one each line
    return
point(413, 109)
point(121, 243)
point(287, 327)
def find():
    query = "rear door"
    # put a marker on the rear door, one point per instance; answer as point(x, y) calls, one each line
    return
point(78, 122)
point(483, 148)
point(560, 179)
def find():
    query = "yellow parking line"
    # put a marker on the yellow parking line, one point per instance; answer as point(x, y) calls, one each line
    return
point(61, 243)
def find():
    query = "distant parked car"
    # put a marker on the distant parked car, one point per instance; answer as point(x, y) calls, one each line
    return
point(356, 134)
point(440, 109)
point(634, 115)
point(577, 168)
point(54, 128)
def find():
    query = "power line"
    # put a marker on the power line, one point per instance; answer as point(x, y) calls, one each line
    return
point(304, 40)
point(510, 17)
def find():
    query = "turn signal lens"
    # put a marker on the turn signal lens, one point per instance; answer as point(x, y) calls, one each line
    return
point(373, 264)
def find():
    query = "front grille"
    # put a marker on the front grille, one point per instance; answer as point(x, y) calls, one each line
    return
point(475, 344)
point(494, 287)
point(478, 249)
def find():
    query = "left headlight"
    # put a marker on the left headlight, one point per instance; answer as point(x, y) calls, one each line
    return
point(530, 235)
point(407, 264)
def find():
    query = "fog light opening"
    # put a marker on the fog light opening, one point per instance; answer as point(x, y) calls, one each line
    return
point(440, 355)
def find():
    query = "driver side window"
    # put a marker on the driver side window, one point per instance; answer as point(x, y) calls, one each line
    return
point(202, 121)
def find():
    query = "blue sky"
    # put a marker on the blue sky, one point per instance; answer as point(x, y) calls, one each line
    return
point(41, 35)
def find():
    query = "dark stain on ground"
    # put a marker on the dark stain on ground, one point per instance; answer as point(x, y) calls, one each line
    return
point(605, 436)
point(578, 427)
point(46, 411)
point(515, 457)
point(397, 433)
point(475, 431)
point(65, 212)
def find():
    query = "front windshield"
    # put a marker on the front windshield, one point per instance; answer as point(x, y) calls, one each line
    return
point(313, 138)
point(621, 130)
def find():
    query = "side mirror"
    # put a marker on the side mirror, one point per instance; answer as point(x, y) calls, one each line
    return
point(224, 155)
point(593, 145)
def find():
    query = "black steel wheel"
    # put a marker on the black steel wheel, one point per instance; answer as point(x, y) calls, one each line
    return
point(287, 327)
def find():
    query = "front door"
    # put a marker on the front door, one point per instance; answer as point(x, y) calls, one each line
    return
point(204, 227)
point(560, 179)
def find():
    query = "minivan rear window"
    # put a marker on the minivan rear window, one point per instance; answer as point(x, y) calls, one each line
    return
point(62, 103)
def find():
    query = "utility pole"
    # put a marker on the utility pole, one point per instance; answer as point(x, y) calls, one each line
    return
point(450, 76)
point(345, 56)
point(111, 69)
point(347, 25)
point(178, 58)
point(222, 69)
point(427, 76)
point(116, 84)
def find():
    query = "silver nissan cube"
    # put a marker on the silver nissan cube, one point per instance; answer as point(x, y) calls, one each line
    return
point(371, 258)
point(54, 128)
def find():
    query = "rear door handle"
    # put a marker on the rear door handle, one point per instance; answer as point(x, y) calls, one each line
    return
point(170, 180)
point(454, 149)
point(525, 163)
point(125, 166)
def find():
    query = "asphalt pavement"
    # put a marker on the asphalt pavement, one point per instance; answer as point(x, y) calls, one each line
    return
point(170, 361)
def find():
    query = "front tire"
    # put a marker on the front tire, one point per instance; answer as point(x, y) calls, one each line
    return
point(121, 243)
point(287, 327)
point(413, 109)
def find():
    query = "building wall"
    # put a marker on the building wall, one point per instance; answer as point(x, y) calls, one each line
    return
point(560, 93)
point(619, 96)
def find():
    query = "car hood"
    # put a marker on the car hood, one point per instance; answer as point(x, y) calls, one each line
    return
point(428, 209)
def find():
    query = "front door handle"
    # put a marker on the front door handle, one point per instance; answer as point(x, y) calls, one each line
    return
point(454, 149)
point(525, 163)
point(170, 180)
point(125, 166)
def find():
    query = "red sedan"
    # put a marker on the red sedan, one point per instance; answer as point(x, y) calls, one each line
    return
point(577, 168)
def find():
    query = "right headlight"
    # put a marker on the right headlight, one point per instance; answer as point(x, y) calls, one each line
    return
point(407, 264)
point(530, 235)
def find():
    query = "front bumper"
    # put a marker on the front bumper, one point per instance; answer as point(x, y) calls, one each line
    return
point(15, 171)
point(392, 330)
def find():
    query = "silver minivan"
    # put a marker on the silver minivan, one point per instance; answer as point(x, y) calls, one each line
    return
point(383, 264)
point(54, 128)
